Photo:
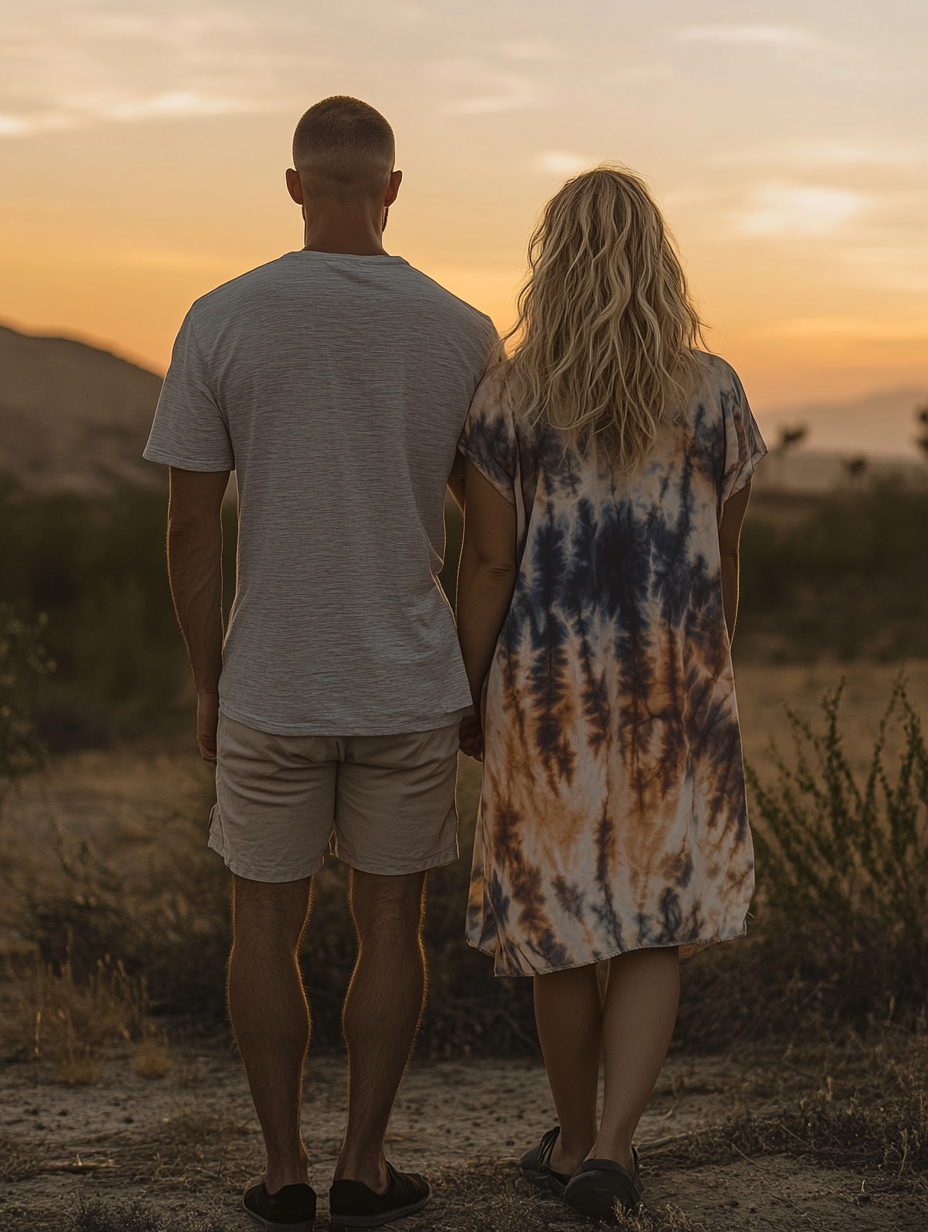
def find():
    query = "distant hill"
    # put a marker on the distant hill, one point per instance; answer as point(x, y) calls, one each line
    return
point(72, 416)
point(879, 425)
point(76, 417)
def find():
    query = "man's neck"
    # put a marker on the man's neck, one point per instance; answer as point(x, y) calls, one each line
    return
point(351, 236)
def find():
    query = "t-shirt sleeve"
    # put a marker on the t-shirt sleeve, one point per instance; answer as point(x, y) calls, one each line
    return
point(489, 439)
point(744, 445)
point(189, 430)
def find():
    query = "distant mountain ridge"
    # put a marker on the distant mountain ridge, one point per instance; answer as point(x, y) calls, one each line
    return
point(879, 425)
point(73, 416)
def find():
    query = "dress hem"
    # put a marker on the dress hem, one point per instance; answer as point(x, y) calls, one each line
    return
point(687, 948)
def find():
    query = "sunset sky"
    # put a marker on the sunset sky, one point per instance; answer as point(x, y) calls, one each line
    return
point(143, 146)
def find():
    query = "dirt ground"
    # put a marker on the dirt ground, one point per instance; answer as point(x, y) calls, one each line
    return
point(190, 1139)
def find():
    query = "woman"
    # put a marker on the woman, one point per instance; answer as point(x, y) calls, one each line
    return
point(607, 471)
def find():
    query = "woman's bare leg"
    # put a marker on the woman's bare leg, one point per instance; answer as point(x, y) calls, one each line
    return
point(569, 1015)
point(638, 1020)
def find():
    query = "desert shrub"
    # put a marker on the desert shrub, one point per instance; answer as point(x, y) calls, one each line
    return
point(834, 849)
point(72, 1023)
point(172, 930)
point(839, 932)
point(849, 579)
point(24, 662)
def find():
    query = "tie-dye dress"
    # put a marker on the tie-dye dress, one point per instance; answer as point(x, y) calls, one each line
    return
point(612, 812)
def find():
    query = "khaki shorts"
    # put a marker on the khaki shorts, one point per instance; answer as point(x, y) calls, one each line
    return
point(383, 804)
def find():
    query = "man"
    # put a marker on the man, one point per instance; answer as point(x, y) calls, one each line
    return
point(335, 381)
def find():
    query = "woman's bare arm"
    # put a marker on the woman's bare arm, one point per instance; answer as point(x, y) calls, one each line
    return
point(487, 574)
point(732, 520)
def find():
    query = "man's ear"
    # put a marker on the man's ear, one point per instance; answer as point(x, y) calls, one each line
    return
point(393, 187)
point(294, 187)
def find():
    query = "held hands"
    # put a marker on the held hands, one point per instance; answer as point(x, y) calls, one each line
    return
point(207, 722)
point(471, 737)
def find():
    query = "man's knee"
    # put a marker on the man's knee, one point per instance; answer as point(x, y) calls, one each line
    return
point(270, 912)
point(387, 906)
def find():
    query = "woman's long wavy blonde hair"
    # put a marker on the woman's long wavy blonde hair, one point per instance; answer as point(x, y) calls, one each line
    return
point(606, 329)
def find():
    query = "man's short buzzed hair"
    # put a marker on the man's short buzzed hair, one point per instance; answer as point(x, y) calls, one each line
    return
point(344, 149)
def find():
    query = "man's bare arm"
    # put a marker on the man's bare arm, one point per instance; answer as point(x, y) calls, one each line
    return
point(195, 570)
point(732, 520)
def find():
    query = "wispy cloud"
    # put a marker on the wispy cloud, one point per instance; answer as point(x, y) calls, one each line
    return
point(646, 72)
point(179, 103)
point(81, 110)
point(848, 327)
point(799, 210)
point(527, 50)
point(830, 153)
point(562, 162)
point(97, 67)
point(777, 36)
point(494, 92)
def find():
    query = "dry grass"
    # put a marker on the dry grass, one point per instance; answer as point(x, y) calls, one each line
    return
point(480, 1197)
point(95, 1215)
point(73, 1024)
point(18, 1160)
point(151, 1055)
point(868, 1112)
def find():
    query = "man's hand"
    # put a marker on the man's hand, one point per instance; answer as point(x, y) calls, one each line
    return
point(207, 722)
point(471, 737)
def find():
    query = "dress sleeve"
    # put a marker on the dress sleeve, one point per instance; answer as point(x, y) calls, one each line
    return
point(489, 438)
point(189, 431)
point(744, 445)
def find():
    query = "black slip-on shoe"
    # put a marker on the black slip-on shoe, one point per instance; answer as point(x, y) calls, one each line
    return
point(293, 1207)
point(352, 1204)
point(536, 1167)
point(599, 1186)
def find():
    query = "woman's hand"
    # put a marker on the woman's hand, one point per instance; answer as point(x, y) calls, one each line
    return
point(471, 737)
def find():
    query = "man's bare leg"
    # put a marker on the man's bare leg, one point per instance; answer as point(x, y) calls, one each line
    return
point(270, 1016)
point(382, 1012)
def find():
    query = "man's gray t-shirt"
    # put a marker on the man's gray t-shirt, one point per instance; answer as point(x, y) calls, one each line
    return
point(336, 387)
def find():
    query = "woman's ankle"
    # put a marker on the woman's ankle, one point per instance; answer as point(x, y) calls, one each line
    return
point(614, 1147)
point(567, 1157)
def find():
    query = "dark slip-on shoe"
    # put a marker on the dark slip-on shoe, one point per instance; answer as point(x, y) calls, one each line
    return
point(536, 1167)
point(601, 1187)
point(293, 1207)
point(352, 1204)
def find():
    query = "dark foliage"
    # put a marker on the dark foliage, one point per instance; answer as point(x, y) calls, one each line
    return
point(175, 933)
point(96, 569)
point(849, 579)
point(24, 662)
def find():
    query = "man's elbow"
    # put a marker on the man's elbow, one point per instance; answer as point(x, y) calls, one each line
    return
point(187, 529)
point(496, 569)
